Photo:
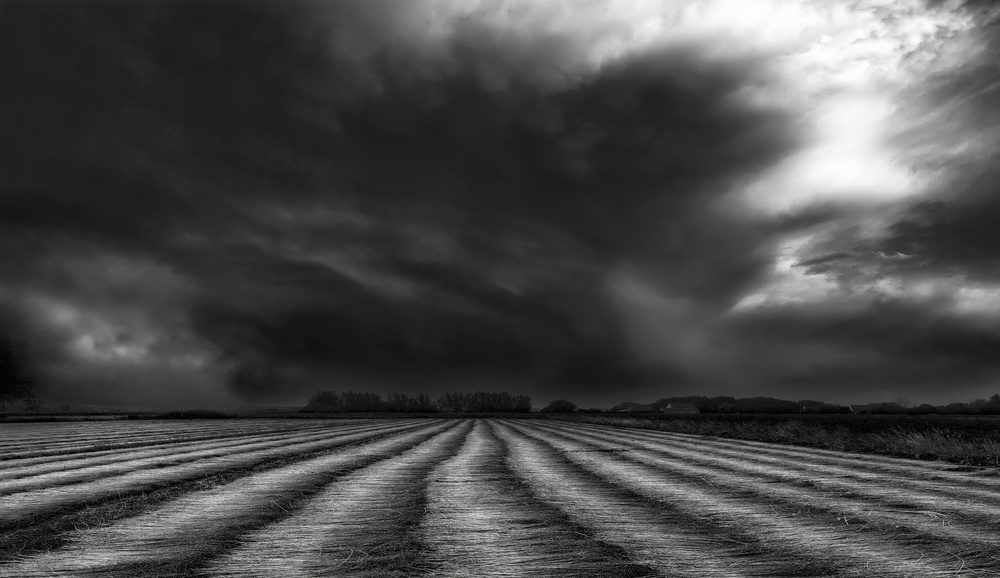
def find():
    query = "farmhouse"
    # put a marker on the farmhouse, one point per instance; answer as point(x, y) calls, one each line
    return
point(680, 408)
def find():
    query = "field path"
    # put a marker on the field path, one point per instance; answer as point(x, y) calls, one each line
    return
point(474, 497)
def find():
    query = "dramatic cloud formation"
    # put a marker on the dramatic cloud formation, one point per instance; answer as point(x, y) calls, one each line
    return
point(214, 202)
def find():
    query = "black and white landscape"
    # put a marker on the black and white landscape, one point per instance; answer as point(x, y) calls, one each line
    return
point(482, 216)
point(474, 497)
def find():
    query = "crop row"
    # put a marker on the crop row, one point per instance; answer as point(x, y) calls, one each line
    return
point(498, 498)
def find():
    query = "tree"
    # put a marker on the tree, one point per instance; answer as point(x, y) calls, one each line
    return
point(559, 406)
point(324, 401)
point(360, 401)
point(16, 385)
point(903, 401)
point(399, 402)
point(484, 401)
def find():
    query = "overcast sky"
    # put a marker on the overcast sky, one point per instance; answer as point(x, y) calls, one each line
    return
point(207, 203)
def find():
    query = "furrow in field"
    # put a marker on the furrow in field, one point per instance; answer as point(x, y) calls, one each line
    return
point(188, 532)
point(906, 477)
point(23, 506)
point(165, 441)
point(819, 538)
point(60, 433)
point(33, 466)
point(363, 524)
point(58, 460)
point(672, 542)
point(480, 521)
point(870, 463)
point(927, 499)
point(871, 508)
point(98, 446)
point(79, 471)
point(56, 435)
point(49, 529)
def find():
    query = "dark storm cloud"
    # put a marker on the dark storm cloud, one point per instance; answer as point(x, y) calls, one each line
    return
point(320, 192)
point(886, 346)
point(953, 237)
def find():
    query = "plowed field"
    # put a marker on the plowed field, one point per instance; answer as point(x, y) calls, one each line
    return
point(452, 497)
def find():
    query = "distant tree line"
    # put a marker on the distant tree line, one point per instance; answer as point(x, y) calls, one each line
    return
point(559, 406)
point(770, 405)
point(728, 404)
point(503, 402)
point(475, 402)
point(979, 406)
point(484, 401)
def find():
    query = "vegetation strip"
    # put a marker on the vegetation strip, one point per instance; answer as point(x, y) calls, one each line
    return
point(48, 529)
point(809, 536)
point(363, 524)
point(964, 440)
point(195, 528)
point(481, 521)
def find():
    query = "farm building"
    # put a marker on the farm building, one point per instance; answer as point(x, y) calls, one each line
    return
point(630, 407)
point(680, 408)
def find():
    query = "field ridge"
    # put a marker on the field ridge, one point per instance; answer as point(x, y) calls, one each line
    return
point(480, 496)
